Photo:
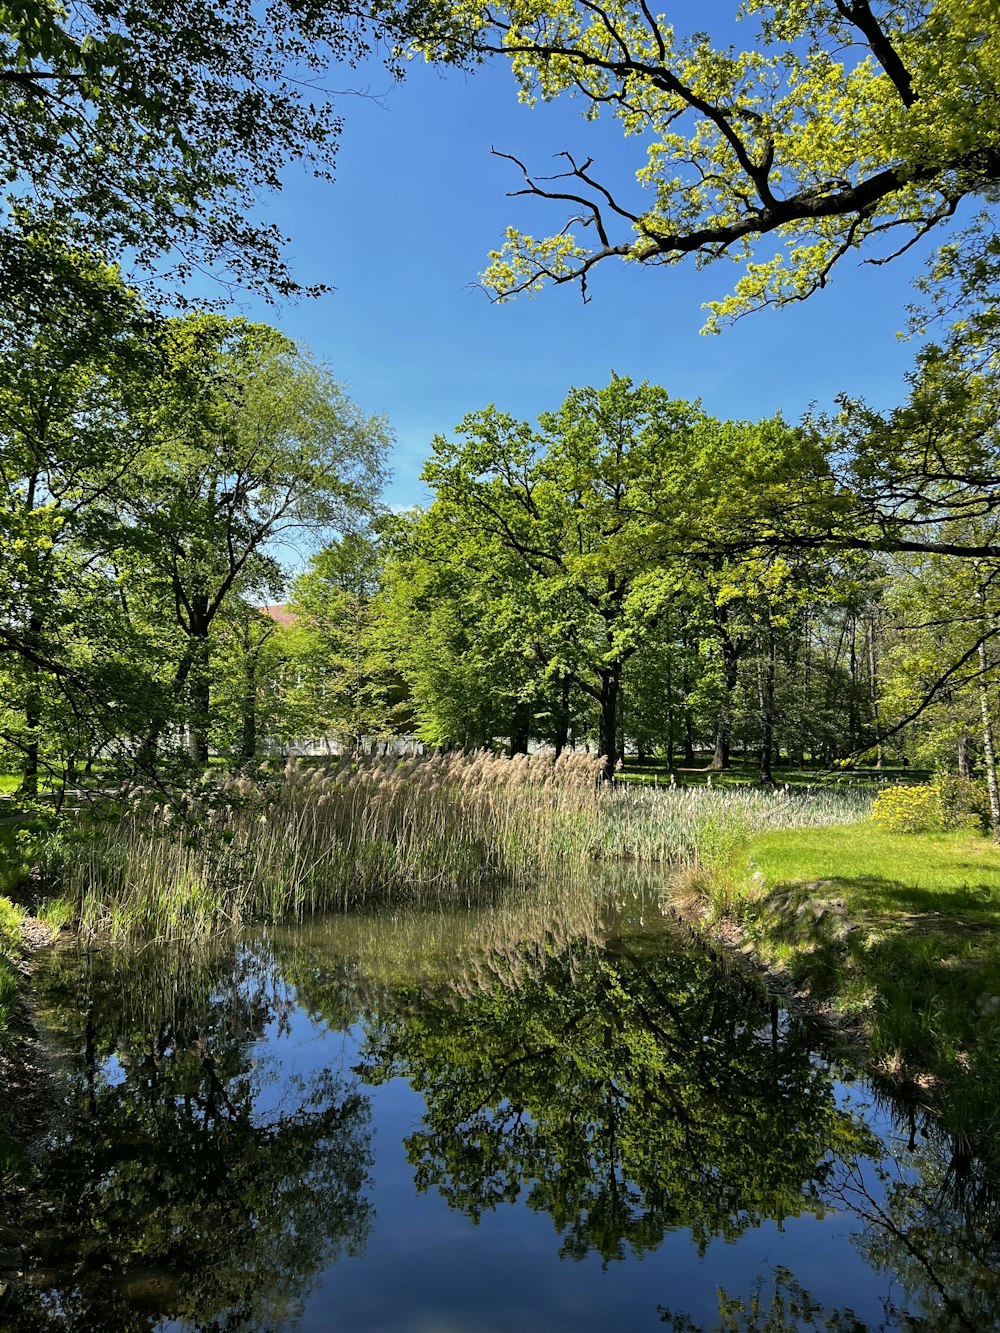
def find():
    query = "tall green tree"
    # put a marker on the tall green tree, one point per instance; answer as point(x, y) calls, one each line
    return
point(453, 616)
point(248, 659)
point(71, 378)
point(338, 681)
point(253, 444)
point(570, 508)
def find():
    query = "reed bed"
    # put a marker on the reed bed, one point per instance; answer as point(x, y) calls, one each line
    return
point(310, 838)
point(705, 825)
point(455, 827)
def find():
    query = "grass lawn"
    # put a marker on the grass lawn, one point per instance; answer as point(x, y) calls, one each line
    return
point(915, 872)
point(901, 931)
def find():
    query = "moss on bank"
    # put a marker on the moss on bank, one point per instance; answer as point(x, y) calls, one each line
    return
point(898, 933)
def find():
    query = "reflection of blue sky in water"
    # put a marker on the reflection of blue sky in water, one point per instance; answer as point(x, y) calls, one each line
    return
point(403, 1261)
point(446, 1275)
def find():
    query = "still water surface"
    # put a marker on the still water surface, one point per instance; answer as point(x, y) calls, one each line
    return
point(530, 1116)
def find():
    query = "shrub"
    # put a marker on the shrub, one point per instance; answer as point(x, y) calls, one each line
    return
point(966, 802)
point(949, 802)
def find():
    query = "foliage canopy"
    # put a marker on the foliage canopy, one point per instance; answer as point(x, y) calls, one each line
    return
point(843, 124)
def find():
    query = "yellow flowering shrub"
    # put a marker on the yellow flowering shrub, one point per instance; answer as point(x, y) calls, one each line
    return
point(927, 807)
point(916, 809)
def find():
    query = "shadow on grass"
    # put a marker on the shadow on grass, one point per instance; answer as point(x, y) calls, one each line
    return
point(920, 968)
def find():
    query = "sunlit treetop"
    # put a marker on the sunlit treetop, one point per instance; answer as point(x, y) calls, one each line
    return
point(847, 125)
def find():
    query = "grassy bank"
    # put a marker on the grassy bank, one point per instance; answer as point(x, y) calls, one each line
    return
point(899, 933)
point(10, 950)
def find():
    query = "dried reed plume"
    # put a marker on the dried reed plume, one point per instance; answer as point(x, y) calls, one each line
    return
point(310, 838)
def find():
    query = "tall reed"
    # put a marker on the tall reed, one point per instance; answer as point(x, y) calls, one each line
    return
point(313, 837)
point(454, 826)
point(706, 825)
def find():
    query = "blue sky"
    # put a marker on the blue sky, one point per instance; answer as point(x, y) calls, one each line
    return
point(406, 226)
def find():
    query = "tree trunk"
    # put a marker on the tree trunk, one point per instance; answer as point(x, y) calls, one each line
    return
point(765, 686)
point(520, 730)
point(873, 681)
point(248, 733)
point(796, 752)
point(688, 721)
point(32, 715)
point(731, 667)
point(29, 769)
point(561, 736)
point(670, 711)
point(621, 727)
point(964, 767)
point(199, 679)
point(199, 701)
point(852, 702)
point(805, 745)
point(607, 737)
point(989, 754)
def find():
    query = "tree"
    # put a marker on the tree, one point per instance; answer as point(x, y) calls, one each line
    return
point(251, 442)
point(339, 683)
point(842, 125)
point(158, 125)
point(455, 616)
point(71, 375)
point(570, 510)
point(249, 655)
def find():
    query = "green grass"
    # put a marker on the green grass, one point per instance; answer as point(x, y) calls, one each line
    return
point(900, 932)
point(929, 872)
point(14, 858)
point(10, 980)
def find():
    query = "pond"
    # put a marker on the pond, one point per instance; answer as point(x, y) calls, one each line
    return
point(531, 1115)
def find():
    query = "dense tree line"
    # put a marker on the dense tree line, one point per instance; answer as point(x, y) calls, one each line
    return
point(629, 572)
point(148, 468)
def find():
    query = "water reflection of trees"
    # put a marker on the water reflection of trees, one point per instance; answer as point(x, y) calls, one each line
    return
point(184, 1182)
point(778, 1305)
point(606, 1074)
point(938, 1234)
point(937, 1239)
point(625, 1095)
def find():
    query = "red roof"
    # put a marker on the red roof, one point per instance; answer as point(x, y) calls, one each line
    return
point(280, 613)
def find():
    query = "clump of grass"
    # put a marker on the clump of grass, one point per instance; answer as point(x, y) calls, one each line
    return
point(10, 978)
